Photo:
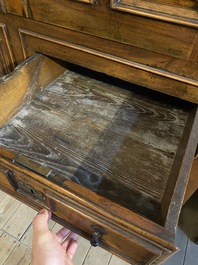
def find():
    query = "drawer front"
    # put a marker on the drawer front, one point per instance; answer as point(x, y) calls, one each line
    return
point(117, 43)
point(120, 230)
point(127, 61)
point(92, 225)
point(123, 243)
point(121, 27)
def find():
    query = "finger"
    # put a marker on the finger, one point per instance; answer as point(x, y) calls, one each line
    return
point(72, 237)
point(72, 249)
point(40, 222)
point(62, 233)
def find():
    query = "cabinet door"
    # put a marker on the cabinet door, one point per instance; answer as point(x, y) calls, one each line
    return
point(179, 11)
point(6, 57)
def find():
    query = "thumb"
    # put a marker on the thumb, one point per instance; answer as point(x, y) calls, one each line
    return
point(40, 222)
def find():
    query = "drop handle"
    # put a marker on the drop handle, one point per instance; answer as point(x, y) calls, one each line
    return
point(97, 236)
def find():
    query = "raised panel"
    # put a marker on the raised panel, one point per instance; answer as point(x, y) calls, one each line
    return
point(6, 57)
point(23, 8)
point(182, 12)
point(101, 21)
point(18, 7)
point(113, 65)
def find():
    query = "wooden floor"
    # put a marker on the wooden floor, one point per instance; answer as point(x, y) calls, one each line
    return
point(16, 234)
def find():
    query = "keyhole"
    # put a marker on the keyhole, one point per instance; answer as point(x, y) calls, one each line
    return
point(32, 191)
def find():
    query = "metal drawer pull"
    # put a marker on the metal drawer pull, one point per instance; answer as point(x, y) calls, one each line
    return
point(34, 166)
point(96, 236)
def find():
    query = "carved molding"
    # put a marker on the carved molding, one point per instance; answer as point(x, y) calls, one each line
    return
point(176, 14)
point(23, 8)
point(5, 50)
point(20, 8)
point(3, 68)
point(92, 2)
point(26, 9)
point(136, 65)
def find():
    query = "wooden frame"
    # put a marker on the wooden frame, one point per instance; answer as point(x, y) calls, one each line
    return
point(159, 10)
point(144, 55)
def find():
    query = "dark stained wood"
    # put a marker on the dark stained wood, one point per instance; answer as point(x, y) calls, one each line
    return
point(95, 132)
point(144, 55)
point(177, 182)
point(132, 246)
point(119, 155)
point(114, 219)
point(96, 135)
point(181, 12)
point(80, 194)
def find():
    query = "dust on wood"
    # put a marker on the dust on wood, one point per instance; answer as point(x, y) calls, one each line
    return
point(118, 143)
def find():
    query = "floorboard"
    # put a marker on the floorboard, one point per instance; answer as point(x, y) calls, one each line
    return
point(7, 244)
point(82, 251)
point(97, 256)
point(8, 207)
point(117, 261)
point(20, 255)
point(2, 195)
point(20, 221)
point(16, 236)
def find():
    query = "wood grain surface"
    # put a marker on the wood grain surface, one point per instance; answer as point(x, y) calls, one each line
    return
point(18, 88)
point(155, 54)
point(118, 143)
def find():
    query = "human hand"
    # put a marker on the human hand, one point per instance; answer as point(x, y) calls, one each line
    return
point(49, 248)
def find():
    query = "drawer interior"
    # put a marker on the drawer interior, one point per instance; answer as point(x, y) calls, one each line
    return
point(110, 136)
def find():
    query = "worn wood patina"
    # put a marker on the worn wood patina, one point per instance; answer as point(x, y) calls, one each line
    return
point(110, 139)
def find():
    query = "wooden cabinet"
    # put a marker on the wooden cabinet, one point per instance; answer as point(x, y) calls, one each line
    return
point(153, 52)
point(81, 147)
point(86, 128)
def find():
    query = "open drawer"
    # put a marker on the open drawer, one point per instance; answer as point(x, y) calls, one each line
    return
point(109, 159)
